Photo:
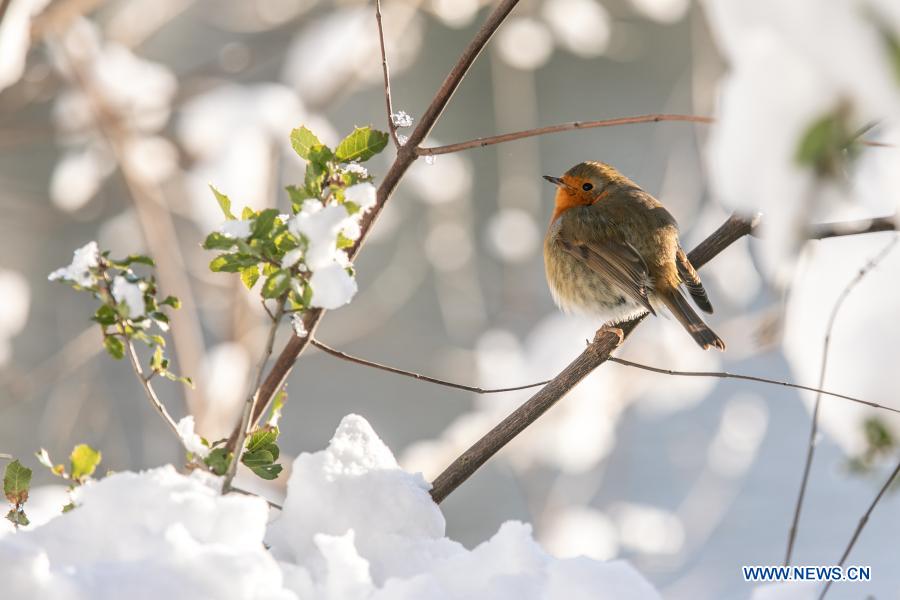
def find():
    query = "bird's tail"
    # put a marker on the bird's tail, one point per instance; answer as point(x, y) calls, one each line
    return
point(690, 320)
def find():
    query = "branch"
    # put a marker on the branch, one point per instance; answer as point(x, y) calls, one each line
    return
point(593, 356)
point(387, 77)
point(236, 442)
point(718, 374)
point(573, 125)
point(827, 230)
point(570, 126)
point(249, 493)
point(420, 377)
point(814, 425)
point(148, 389)
point(862, 523)
point(727, 375)
point(406, 155)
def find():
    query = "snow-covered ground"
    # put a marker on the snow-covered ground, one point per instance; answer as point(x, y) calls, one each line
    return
point(354, 526)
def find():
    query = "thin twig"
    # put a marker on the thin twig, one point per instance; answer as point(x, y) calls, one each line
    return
point(727, 375)
point(570, 126)
point(387, 77)
point(814, 425)
point(460, 386)
point(862, 523)
point(406, 155)
point(236, 444)
point(593, 356)
point(148, 389)
point(420, 377)
point(249, 493)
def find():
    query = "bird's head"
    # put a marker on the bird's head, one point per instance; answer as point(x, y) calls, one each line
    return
point(584, 184)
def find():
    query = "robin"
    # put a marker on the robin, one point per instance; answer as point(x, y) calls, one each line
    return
point(612, 251)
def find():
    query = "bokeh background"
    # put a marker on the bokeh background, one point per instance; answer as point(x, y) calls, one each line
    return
point(688, 478)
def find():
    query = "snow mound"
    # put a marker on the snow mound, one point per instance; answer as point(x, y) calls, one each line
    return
point(354, 527)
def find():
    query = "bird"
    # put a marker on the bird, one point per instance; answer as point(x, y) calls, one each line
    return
point(612, 251)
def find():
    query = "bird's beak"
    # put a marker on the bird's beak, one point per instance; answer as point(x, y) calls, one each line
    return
point(556, 181)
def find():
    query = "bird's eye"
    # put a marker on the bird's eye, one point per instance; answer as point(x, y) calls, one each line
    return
point(587, 187)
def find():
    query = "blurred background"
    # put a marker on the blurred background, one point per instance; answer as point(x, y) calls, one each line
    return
point(125, 110)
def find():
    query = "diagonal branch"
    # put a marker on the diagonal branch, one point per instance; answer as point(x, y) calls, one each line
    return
point(814, 425)
point(862, 523)
point(406, 155)
point(829, 230)
point(593, 356)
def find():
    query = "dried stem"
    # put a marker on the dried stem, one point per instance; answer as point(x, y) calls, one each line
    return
point(236, 443)
point(385, 69)
point(593, 356)
point(570, 126)
point(862, 523)
point(406, 155)
point(814, 425)
point(420, 377)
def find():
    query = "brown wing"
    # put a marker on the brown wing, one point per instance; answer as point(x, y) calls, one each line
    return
point(692, 281)
point(618, 262)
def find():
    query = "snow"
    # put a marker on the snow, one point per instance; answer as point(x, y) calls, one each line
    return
point(15, 38)
point(192, 442)
point(354, 527)
point(83, 259)
point(332, 287)
point(129, 293)
point(401, 118)
point(361, 194)
point(320, 225)
point(236, 228)
point(791, 65)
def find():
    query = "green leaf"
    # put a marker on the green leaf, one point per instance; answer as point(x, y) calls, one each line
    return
point(114, 347)
point(172, 301)
point(248, 213)
point(260, 438)
point(250, 276)
point(218, 460)
point(343, 241)
point(105, 315)
point(218, 241)
point(84, 461)
point(232, 263)
point(258, 458)
point(303, 140)
point(224, 203)
point(18, 518)
point(16, 481)
point(267, 472)
point(827, 144)
point(132, 259)
point(297, 196)
point(314, 178)
point(275, 411)
point(276, 284)
point(264, 223)
point(158, 362)
point(361, 145)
